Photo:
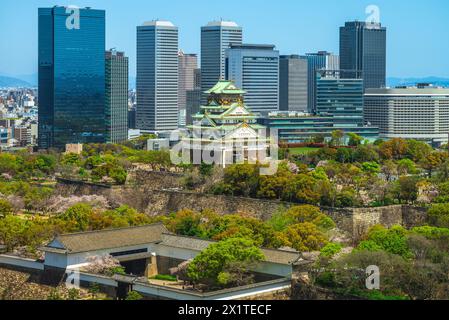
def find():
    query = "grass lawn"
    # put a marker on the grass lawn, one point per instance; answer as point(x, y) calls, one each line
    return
point(302, 151)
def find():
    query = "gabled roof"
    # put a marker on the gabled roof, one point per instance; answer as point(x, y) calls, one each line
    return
point(196, 244)
point(238, 110)
point(225, 87)
point(106, 239)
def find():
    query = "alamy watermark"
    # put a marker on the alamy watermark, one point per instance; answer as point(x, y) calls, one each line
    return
point(373, 18)
point(73, 20)
point(207, 146)
point(373, 278)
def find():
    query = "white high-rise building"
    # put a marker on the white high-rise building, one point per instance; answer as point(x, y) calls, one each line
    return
point(216, 37)
point(157, 76)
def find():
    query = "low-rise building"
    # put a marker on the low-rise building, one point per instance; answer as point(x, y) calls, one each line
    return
point(135, 246)
point(420, 113)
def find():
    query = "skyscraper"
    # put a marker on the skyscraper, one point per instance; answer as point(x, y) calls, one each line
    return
point(293, 83)
point(157, 76)
point(255, 69)
point(188, 64)
point(318, 61)
point(363, 48)
point(342, 99)
point(193, 98)
point(216, 37)
point(116, 96)
point(71, 76)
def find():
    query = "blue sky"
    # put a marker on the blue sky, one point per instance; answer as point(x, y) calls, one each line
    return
point(418, 31)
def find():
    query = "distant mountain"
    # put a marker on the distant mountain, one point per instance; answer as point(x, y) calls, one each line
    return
point(13, 82)
point(30, 78)
point(436, 81)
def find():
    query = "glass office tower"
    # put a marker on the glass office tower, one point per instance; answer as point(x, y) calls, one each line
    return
point(363, 47)
point(157, 76)
point(216, 37)
point(340, 98)
point(71, 77)
point(318, 61)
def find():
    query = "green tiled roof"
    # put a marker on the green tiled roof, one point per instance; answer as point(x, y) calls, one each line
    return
point(225, 87)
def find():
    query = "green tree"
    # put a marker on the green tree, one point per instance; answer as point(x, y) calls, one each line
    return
point(418, 150)
point(406, 189)
point(371, 167)
point(5, 208)
point(12, 230)
point(438, 215)
point(133, 296)
point(406, 166)
point(118, 174)
point(77, 217)
point(354, 139)
point(392, 240)
point(225, 263)
point(303, 237)
point(337, 138)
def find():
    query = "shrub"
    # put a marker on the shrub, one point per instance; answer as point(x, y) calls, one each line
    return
point(331, 249)
point(438, 215)
point(165, 277)
point(133, 296)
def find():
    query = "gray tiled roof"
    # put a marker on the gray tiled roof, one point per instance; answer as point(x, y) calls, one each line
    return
point(274, 256)
point(109, 239)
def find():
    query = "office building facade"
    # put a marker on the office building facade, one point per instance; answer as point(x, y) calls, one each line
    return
point(339, 106)
point(216, 37)
point(255, 69)
point(410, 113)
point(188, 66)
point(293, 83)
point(363, 47)
point(117, 70)
point(321, 60)
point(193, 98)
point(340, 98)
point(71, 77)
point(157, 76)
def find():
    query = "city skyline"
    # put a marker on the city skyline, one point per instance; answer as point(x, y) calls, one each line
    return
point(261, 25)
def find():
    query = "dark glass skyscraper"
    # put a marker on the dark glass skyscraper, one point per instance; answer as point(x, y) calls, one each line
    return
point(293, 83)
point(363, 48)
point(116, 96)
point(71, 76)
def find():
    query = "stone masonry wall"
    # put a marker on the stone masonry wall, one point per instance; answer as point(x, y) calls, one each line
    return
point(355, 221)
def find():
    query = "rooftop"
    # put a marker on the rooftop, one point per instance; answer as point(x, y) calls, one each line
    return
point(107, 239)
point(154, 233)
point(196, 244)
point(158, 23)
point(222, 23)
point(252, 46)
point(225, 87)
point(414, 91)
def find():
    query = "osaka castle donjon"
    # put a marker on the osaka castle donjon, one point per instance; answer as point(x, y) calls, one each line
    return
point(225, 131)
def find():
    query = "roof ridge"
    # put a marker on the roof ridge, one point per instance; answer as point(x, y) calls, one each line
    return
point(110, 230)
point(216, 241)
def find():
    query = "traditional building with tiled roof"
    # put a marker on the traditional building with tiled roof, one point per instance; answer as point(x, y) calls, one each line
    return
point(226, 130)
point(137, 248)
